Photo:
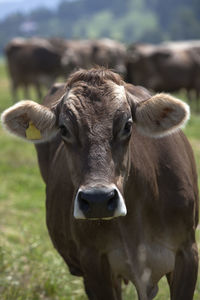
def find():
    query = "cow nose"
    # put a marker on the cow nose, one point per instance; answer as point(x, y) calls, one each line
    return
point(98, 203)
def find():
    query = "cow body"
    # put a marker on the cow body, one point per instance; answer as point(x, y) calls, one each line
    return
point(143, 246)
point(166, 67)
point(147, 229)
point(32, 62)
point(90, 53)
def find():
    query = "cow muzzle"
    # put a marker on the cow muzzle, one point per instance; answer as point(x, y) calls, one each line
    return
point(99, 203)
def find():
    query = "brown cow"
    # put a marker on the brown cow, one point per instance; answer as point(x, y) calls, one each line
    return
point(166, 67)
point(89, 53)
point(110, 54)
point(122, 196)
point(32, 62)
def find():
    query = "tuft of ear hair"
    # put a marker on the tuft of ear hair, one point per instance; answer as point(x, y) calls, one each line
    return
point(161, 115)
point(30, 121)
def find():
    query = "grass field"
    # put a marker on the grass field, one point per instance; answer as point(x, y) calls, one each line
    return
point(30, 268)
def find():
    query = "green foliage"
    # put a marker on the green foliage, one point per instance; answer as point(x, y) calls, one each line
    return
point(95, 27)
point(124, 20)
point(30, 268)
point(186, 25)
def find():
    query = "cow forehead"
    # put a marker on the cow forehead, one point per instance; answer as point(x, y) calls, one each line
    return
point(118, 91)
point(96, 99)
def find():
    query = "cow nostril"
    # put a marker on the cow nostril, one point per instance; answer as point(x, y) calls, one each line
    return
point(83, 203)
point(98, 203)
point(113, 201)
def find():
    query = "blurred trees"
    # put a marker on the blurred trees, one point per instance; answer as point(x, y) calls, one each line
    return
point(124, 20)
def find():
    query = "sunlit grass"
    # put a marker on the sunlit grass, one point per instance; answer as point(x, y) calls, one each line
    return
point(30, 268)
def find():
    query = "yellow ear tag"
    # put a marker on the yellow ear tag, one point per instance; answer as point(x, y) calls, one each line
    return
point(32, 133)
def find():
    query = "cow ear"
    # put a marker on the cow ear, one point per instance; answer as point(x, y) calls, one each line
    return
point(30, 121)
point(161, 115)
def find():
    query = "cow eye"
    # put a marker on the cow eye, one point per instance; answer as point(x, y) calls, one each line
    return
point(128, 127)
point(64, 131)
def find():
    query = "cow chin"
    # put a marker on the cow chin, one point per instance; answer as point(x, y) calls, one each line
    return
point(99, 203)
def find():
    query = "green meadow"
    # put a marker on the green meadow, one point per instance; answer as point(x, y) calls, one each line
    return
point(30, 268)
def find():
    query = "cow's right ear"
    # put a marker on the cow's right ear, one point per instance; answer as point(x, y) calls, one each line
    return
point(30, 121)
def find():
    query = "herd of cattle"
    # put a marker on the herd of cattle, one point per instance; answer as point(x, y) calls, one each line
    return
point(168, 67)
point(121, 182)
point(39, 61)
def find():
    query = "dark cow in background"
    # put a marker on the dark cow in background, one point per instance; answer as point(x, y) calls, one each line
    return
point(168, 67)
point(138, 65)
point(110, 54)
point(39, 62)
point(77, 55)
point(89, 53)
point(32, 62)
point(121, 183)
point(60, 44)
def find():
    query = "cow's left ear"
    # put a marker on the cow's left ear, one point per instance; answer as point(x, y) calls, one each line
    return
point(161, 115)
point(30, 121)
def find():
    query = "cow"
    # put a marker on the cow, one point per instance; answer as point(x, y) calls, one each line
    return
point(139, 69)
point(121, 183)
point(32, 62)
point(111, 54)
point(166, 67)
point(78, 54)
point(89, 53)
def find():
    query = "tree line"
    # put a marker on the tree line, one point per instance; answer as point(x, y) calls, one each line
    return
point(124, 20)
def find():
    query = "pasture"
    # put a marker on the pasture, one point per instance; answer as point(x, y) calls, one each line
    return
point(30, 268)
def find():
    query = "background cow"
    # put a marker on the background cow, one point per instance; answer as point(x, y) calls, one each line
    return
point(122, 196)
point(32, 62)
point(90, 53)
point(39, 62)
point(166, 67)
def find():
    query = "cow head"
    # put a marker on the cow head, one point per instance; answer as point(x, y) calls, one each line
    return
point(95, 118)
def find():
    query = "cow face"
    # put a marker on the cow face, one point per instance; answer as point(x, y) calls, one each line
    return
point(95, 123)
point(95, 119)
